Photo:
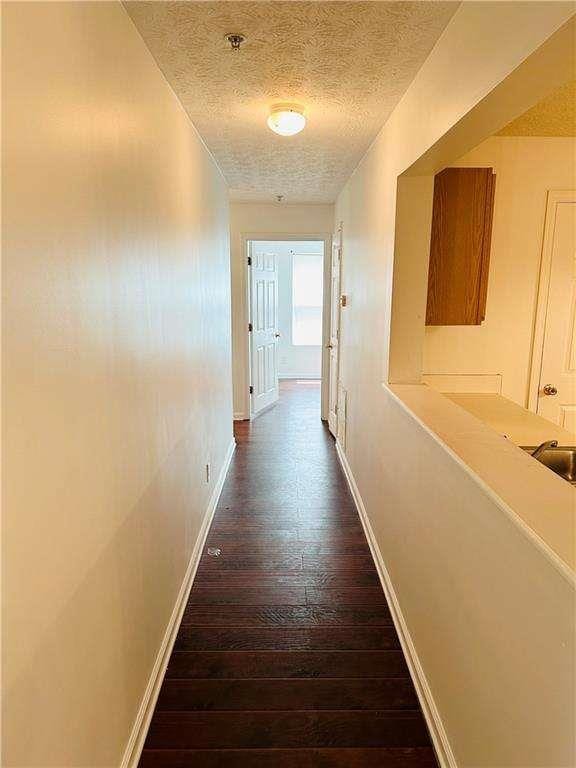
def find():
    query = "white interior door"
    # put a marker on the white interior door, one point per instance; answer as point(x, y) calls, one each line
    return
point(333, 344)
point(557, 386)
point(264, 328)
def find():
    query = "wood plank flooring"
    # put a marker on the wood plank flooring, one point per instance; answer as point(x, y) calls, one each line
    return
point(287, 656)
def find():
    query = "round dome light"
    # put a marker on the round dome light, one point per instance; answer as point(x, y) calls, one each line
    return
point(286, 119)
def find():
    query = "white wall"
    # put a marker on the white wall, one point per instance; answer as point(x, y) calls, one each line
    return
point(294, 361)
point(468, 576)
point(526, 168)
point(116, 373)
point(262, 219)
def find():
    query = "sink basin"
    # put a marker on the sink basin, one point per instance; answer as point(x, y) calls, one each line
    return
point(561, 460)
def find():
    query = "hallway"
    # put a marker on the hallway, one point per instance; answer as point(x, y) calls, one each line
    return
point(287, 655)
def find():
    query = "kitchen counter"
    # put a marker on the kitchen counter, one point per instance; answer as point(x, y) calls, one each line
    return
point(471, 426)
point(519, 425)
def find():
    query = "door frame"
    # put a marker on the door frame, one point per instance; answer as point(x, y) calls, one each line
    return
point(336, 243)
point(246, 238)
point(554, 198)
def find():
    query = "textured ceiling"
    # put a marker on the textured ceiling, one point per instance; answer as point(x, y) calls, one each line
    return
point(347, 63)
point(553, 116)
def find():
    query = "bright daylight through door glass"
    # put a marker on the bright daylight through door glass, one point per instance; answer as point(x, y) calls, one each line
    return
point(307, 299)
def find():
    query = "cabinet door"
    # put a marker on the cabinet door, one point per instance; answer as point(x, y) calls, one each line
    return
point(460, 246)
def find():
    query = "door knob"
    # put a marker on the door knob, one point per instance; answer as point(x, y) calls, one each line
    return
point(277, 335)
point(549, 389)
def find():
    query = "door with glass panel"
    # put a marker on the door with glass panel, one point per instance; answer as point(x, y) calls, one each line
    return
point(263, 267)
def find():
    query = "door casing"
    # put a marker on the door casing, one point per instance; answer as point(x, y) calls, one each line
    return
point(325, 238)
point(554, 198)
point(334, 334)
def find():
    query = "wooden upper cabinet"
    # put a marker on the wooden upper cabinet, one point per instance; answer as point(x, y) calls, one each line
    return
point(460, 246)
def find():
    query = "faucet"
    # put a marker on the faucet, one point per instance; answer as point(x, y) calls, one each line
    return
point(536, 453)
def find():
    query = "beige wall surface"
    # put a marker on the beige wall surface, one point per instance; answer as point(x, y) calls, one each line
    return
point(262, 219)
point(447, 542)
point(526, 168)
point(116, 363)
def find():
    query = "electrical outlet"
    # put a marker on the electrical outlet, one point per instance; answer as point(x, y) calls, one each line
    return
point(208, 472)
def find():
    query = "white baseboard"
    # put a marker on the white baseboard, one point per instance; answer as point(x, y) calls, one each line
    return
point(433, 720)
point(142, 722)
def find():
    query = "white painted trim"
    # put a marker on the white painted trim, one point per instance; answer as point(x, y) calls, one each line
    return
point(537, 351)
point(142, 722)
point(337, 243)
point(294, 376)
point(240, 416)
point(431, 714)
point(254, 416)
point(245, 239)
point(326, 320)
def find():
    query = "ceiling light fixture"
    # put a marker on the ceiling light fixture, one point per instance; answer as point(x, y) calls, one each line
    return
point(286, 119)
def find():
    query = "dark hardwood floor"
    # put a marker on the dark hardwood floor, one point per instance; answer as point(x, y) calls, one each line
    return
point(287, 656)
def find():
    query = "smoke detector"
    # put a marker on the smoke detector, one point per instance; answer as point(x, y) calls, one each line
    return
point(235, 39)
